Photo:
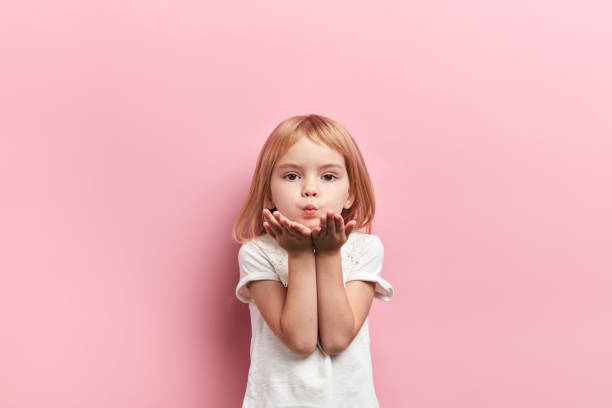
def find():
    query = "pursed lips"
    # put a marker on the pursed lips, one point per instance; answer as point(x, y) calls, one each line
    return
point(309, 210)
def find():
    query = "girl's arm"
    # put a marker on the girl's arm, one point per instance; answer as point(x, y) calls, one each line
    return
point(341, 311)
point(299, 317)
point(291, 313)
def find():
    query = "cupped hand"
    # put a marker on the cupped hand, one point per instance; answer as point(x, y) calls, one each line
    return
point(290, 235)
point(331, 234)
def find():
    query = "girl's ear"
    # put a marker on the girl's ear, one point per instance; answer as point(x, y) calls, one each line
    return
point(349, 201)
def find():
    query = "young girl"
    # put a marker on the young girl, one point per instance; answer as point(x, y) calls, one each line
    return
point(307, 272)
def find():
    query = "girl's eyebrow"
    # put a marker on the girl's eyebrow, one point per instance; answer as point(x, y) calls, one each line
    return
point(325, 166)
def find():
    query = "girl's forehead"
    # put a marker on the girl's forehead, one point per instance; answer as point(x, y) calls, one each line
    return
point(311, 161)
point(307, 150)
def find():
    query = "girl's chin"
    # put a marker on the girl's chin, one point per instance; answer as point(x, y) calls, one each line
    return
point(309, 222)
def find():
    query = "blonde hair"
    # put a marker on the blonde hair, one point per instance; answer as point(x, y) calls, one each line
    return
point(320, 130)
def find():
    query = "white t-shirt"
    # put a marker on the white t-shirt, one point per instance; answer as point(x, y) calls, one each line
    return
point(279, 377)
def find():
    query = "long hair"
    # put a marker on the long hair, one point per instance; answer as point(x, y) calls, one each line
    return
point(320, 130)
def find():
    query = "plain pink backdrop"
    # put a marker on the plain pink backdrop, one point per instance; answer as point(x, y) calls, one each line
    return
point(128, 135)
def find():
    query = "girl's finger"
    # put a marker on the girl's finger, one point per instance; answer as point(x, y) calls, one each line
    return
point(272, 222)
point(304, 230)
point(298, 228)
point(287, 225)
point(269, 230)
point(323, 225)
point(270, 217)
point(349, 227)
point(339, 223)
point(279, 218)
point(292, 229)
point(331, 224)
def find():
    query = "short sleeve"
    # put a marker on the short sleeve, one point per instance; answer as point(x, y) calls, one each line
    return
point(369, 266)
point(254, 265)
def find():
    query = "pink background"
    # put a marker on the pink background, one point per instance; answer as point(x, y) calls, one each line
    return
point(128, 135)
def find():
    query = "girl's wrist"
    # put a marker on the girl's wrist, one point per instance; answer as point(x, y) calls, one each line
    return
point(296, 253)
point(327, 252)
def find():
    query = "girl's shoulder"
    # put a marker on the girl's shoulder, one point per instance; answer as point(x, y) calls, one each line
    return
point(263, 242)
point(361, 244)
point(264, 246)
point(360, 240)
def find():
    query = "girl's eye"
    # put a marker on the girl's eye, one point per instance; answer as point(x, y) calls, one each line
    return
point(290, 174)
point(330, 175)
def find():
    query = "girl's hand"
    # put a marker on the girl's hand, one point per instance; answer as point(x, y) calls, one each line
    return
point(292, 236)
point(332, 233)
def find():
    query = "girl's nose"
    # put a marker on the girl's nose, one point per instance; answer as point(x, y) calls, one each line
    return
point(309, 189)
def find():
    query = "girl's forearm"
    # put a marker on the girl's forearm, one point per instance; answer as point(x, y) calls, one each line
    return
point(336, 320)
point(299, 315)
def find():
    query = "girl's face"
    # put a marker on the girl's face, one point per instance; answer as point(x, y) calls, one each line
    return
point(310, 174)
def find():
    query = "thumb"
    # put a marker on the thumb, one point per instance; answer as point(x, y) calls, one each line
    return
point(349, 227)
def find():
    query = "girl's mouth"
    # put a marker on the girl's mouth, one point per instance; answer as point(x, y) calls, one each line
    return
point(309, 212)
